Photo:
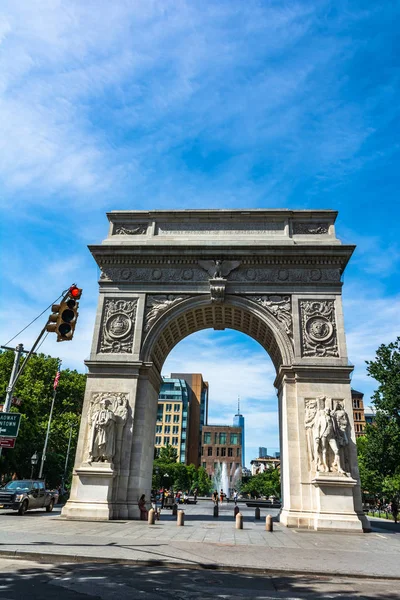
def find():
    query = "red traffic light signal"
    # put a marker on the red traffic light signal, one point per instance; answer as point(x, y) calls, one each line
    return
point(75, 292)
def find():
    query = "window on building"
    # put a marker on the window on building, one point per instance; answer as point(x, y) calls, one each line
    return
point(168, 407)
point(158, 439)
point(237, 451)
point(159, 412)
point(217, 451)
point(202, 451)
point(175, 429)
point(203, 464)
point(223, 451)
point(216, 437)
point(234, 438)
point(158, 428)
point(209, 451)
point(175, 441)
point(168, 418)
point(207, 437)
point(215, 466)
point(176, 418)
point(167, 429)
point(177, 407)
point(230, 451)
point(166, 440)
point(222, 438)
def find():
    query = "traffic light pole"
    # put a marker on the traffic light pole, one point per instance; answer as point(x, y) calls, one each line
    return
point(19, 350)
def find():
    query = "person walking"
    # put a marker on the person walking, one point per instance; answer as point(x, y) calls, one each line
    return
point(215, 497)
point(221, 495)
point(235, 496)
point(395, 509)
point(142, 508)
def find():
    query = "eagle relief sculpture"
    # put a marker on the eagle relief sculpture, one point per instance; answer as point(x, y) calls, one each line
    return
point(218, 269)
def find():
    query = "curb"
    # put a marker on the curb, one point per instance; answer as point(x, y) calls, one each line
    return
point(80, 559)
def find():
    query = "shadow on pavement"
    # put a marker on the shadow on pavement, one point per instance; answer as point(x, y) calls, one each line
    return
point(89, 580)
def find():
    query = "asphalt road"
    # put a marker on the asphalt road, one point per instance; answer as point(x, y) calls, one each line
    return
point(35, 581)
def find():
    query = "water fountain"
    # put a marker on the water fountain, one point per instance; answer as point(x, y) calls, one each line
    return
point(221, 478)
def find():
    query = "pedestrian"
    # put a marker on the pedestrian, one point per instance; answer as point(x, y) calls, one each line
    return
point(215, 497)
point(142, 508)
point(221, 495)
point(195, 495)
point(162, 496)
point(395, 509)
point(186, 497)
point(235, 496)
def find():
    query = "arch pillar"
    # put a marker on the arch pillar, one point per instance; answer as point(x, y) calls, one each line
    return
point(311, 499)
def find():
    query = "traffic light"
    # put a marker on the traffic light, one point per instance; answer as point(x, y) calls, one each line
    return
point(64, 316)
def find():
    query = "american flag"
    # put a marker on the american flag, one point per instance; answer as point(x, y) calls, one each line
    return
point(56, 379)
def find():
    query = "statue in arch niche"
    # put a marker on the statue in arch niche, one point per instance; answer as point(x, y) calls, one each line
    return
point(327, 426)
point(107, 413)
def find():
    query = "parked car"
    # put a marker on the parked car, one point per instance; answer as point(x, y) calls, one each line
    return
point(25, 494)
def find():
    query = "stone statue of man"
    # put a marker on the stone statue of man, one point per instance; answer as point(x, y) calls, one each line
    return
point(102, 435)
point(325, 438)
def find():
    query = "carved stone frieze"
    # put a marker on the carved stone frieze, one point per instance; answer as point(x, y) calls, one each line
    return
point(137, 229)
point(242, 273)
point(278, 306)
point(218, 269)
point(310, 228)
point(318, 328)
point(117, 326)
point(327, 427)
point(156, 305)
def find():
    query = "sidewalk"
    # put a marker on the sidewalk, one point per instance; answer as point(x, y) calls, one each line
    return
point(204, 542)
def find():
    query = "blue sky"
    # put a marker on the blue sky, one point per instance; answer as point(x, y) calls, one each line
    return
point(174, 104)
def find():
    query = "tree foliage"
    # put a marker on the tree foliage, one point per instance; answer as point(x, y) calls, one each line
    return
point(35, 390)
point(379, 449)
point(265, 484)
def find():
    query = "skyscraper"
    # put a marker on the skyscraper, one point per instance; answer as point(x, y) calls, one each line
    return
point(238, 421)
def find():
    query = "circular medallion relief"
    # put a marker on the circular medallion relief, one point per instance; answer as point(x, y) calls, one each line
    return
point(250, 274)
point(118, 325)
point(156, 274)
point(283, 275)
point(315, 275)
point(319, 329)
point(125, 274)
point(187, 274)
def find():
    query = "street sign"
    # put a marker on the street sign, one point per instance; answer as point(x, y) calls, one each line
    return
point(7, 442)
point(9, 424)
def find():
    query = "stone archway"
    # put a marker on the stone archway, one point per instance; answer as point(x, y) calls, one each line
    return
point(274, 275)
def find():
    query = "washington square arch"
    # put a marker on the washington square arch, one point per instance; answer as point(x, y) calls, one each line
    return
point(275, 275)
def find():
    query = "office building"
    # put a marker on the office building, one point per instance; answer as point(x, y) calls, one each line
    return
point(262, 452)
point(172, 417)
point(238, 421)
point(198, 413)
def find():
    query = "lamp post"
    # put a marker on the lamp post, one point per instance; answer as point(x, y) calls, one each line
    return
point(34, 462)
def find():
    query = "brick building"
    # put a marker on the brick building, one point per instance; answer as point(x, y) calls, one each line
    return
point(222, 444)
point(358, 412)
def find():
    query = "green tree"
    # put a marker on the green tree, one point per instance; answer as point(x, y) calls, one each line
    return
point(379, 449)
point(168, 454)
point(264, 484)
point(35, 390)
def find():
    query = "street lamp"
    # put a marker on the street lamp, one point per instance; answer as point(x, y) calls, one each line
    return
point(34, 462)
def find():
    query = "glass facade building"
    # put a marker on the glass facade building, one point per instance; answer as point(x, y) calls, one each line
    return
point(173, 417)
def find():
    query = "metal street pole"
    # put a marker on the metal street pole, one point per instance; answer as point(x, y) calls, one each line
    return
point(66, 459)
point(47, 435)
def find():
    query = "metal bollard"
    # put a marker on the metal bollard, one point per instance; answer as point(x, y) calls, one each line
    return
point(235, 511)
point(239, 521)
point(181, 518)
point(257, 514)
point(268, 523)
point(174, 510)
point(215, 510)
point(151, 517)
